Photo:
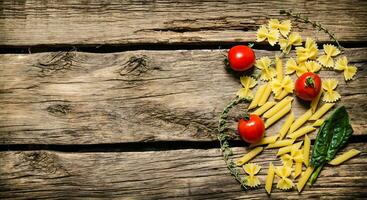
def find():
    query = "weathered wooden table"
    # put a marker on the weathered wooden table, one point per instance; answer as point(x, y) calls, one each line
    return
point(121, 99)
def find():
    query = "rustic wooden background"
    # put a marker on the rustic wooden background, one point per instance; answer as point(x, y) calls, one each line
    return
point(121, 99)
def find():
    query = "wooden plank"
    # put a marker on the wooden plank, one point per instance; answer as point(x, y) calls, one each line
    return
point(96, 23)
point(184, 174)
point(86, 98)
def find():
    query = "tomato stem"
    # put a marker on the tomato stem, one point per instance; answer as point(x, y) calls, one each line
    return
point(310, 82)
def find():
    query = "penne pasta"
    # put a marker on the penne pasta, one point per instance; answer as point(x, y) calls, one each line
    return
point(288, 149)
point(280, 143)
point(265, 96)
point(306, 150)
point(315, 102)
point(278, 115)
point(269, 178)
point(264, 108)
point(321, 111)
point(298, 169)
point(281, 95)
point(300, 132)
point(300, 121)
point(344, 157)
point(250, 155)
point(279, 68)
point(257, 97)
point(285, 127)
point(304, 178)
point(265, 140)
point(281, 104)
point(318, 122)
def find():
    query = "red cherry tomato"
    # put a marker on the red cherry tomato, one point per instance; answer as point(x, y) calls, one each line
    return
point(251, 129)
point(308, 86)
point(241, 58)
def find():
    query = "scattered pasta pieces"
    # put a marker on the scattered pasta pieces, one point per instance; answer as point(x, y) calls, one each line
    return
point(321, 111)
point(312, 66)
point(284, 27)
point(270, 121)
point(330, 51)
point(265, 95)
point(269, 178)
point(304, 178)
point(318, 123)
point(330, 95)
point(291, 66)
point(264, 108)
point(250, 155)
point(284, 172)
point(309, 51)
point(286, 84)
point(281, 104)
point(294, 39)
point(300, 121)
point(271, 35)
point(349, 70)
point(280, 143)
point(257, 98)
point(252, 169)
point(344, 157)
point(247, 82)
point(267, 72)
point(306, 150)
point(288, 149)
point(315, 102)
point(300, 132)
point(286, 125)
point(265, 140)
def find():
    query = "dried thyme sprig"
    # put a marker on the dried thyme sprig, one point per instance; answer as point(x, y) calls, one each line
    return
point(223, 139)
point(302, 19)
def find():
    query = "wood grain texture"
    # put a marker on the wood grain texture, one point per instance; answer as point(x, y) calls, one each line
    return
point(95, 23)
point(86, 98)
point(183, 174)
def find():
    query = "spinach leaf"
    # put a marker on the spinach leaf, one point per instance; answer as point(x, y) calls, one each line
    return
point(332, 135)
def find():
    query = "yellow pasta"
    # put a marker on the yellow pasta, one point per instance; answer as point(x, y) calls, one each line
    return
point(318, 122)
point(265, 96)
point(291, 67)
point(310, 51)
point(330, 95)
point(280, 143)
point(279, 85)
point(284, 27)
point(300, 121)
point(306, 151)
point(284, 172)
point(267, 72)
point(281, 104)
point(300, 132)
point(315, 102)
point(265, 140)
point(304, 178)
point(327, 60)
point(349, 70)
point(321, 111)
point(269, 178)
point(271, 35)
point(278, 115)
point(263, 108)
point(312, 66)
point(285, 127)
point(288, 149)
point(293, 39)
point(344, 157)
point(281, 95)
point(251, 169)
point(279, 67)
point(298, 169)
point(250, 155)
point(257, 97)
point(247, 82)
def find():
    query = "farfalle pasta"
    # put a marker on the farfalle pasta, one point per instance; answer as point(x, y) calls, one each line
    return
point(309, 51)
point(291, 66)
point(286, 84)
point(330, 95)
point(247, 82)
point(284, 27)
point(267, 72)
point(294, 39)
point(264, 34)
point(330, 51)
point(312, 66)
point(349, 70)
point(284, 172)
point(252, 169)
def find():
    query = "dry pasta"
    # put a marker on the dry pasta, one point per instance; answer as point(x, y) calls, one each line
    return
point(344, 157)
point(281, 95)
point(257, 97)
point(306, 150)
point(284, 172)
point(304, 178)
point(300, 121)
point(300, 132)
point(298, 169)
point(265, 96)
point(279, 68)
point(280, 143)
point(269, 178)
point(321, 111)
point(281, 104)
point(263, 108)
point(315, 102)
point(250, 155)
point(265, 140)
point(278, 115)
point(288, 149)
point(349, 70)
point(318, 122)
point(252, 169)
point(285, 127)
